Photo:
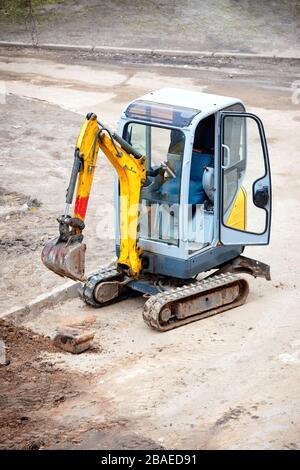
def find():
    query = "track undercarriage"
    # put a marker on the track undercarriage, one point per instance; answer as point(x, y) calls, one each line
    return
point(173, 302)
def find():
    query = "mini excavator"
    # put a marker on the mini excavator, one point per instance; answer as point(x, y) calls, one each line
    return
point(193, 189)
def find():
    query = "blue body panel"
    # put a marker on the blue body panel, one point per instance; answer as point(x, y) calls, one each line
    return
point(187, 268)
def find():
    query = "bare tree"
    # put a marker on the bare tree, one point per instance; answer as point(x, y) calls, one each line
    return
point(30, 22)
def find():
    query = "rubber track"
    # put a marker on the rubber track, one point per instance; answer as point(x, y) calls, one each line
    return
point(105, 274)
point(157, 302)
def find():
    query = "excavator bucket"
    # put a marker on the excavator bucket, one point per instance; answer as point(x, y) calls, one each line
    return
point(65, 259)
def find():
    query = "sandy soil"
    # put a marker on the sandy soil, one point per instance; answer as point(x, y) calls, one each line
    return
point(222, 25)
point(28, 389)
point(230, 381)
point(32, 390)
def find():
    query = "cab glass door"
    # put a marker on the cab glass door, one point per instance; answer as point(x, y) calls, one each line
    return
point(245, 182)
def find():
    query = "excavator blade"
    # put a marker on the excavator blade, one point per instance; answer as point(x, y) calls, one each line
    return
point(66, 260)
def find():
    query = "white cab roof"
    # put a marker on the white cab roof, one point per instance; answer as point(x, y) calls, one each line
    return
point(204, 102)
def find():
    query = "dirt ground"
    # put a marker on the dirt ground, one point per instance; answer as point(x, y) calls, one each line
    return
point(230, 381)
point(32, 390)
point(27, 387)
point(220, 25)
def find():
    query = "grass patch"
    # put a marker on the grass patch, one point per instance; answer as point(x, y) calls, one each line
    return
point(16, 11)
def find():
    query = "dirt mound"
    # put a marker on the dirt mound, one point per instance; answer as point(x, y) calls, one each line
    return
point(28, 388)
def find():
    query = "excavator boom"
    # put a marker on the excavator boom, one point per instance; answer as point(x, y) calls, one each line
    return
point(65, 255)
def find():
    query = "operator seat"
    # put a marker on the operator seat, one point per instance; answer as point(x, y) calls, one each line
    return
point(202, 157)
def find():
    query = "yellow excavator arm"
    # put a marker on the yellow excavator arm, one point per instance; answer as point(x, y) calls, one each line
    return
point(65, 255)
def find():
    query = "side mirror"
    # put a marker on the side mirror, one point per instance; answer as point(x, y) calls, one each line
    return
point(260, 196)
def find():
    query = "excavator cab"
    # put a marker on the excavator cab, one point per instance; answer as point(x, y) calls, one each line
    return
point(193, 189)
point(208, 188)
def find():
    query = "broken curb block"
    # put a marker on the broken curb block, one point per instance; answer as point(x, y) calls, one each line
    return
point(73, 341)
point(5, 363)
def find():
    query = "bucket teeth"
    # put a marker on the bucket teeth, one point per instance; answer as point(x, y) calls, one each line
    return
point(65, 259)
